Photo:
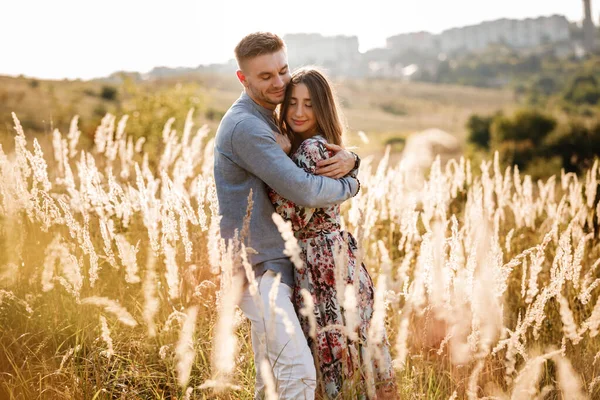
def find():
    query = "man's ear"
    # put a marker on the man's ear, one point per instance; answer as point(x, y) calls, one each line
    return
point(241, 77)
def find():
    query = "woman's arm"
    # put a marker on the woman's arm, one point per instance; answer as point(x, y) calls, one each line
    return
point(255, 149)
point(308, 154)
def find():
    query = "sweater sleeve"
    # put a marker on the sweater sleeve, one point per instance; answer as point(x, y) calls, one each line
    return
point(307, 155)
point(256, 151)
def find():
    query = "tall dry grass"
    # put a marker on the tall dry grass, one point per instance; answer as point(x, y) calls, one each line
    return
point(112, 263)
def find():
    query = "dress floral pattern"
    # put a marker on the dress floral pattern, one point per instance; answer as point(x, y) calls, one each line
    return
point(338, 358)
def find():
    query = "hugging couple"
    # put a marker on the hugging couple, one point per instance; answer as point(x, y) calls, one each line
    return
point(294, 163)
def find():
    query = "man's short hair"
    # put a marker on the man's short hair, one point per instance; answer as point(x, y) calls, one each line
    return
point(257, 44)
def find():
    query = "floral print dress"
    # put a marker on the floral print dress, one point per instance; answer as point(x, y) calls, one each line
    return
point(338, 358)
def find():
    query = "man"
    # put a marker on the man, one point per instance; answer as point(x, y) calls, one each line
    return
point(248, 156)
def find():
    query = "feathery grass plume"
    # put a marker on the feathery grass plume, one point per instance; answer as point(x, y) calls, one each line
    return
point(9, 176)
point(309, 312)
point(593, 322)
point(245, 232)
point(341, 260)
point(363, 137)
point(509, 236)
point(251, 278)
point(171, 146)
point(107, 239)
point(168, 224)
point(39, 167)
point(574, 273)
point(104, 133)
point(486, 303)
point(188, 393)
point(215, 242)
point(111, 306)
point(350, 310)
point(268, 379)
point(162, 352)
point(456, 172)
point(569, 326)
point(10, 295)
point(73, 136)
point(172, 270)
point(526, 383)
point(401, 346)
point(218, 386)
point(105, 334)
point(138, 144)
point(66, 357)
point(359, 231)
point(292, 250)
point(225, 344)
point(55, 251)
point(568, 381)
point(127, 254)
point(46, 211)
point(59, 146)
point(589, 283)
point(198, 190)
point(36, 160)
point(126, 155)
point(593, 384)
point(524, 269)
point(21, 151)
point(8, 274)
point(88, 248)
point(198, 289)
point(271, 321)
point(184, 352)
point(185, 238)
point(376, 331)
point(176, 317)
point(72, 280)
point(536, 265)
point(472, 387)
point(151, 301)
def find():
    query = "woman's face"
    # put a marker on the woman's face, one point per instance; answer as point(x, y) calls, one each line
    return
point(300, 116)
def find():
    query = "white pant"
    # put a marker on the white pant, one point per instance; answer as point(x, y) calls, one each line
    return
point(289, 356)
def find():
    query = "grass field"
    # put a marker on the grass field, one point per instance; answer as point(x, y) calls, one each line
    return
point(110, 266)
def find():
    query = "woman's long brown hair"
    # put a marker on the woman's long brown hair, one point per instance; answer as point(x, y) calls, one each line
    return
point(324, 105)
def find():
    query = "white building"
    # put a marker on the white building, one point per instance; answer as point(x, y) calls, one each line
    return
point(337, 54)
point(517, 33)
point(421, 41)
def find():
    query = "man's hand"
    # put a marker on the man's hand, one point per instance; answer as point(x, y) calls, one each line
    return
point(337, 166)
point(284, 142)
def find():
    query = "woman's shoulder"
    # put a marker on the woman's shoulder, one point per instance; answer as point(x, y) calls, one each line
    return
point(316, 141)
point(314, 147)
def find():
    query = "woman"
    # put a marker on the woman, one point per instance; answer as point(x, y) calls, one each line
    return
point(310, 117)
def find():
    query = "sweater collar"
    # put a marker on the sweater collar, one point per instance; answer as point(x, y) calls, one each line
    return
point(263, 110)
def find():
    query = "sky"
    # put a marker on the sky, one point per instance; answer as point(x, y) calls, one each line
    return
point(56, 39)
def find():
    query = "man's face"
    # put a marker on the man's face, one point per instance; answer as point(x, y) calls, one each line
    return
point(265, 78)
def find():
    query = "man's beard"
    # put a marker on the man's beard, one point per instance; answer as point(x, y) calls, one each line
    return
point(263, 97)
